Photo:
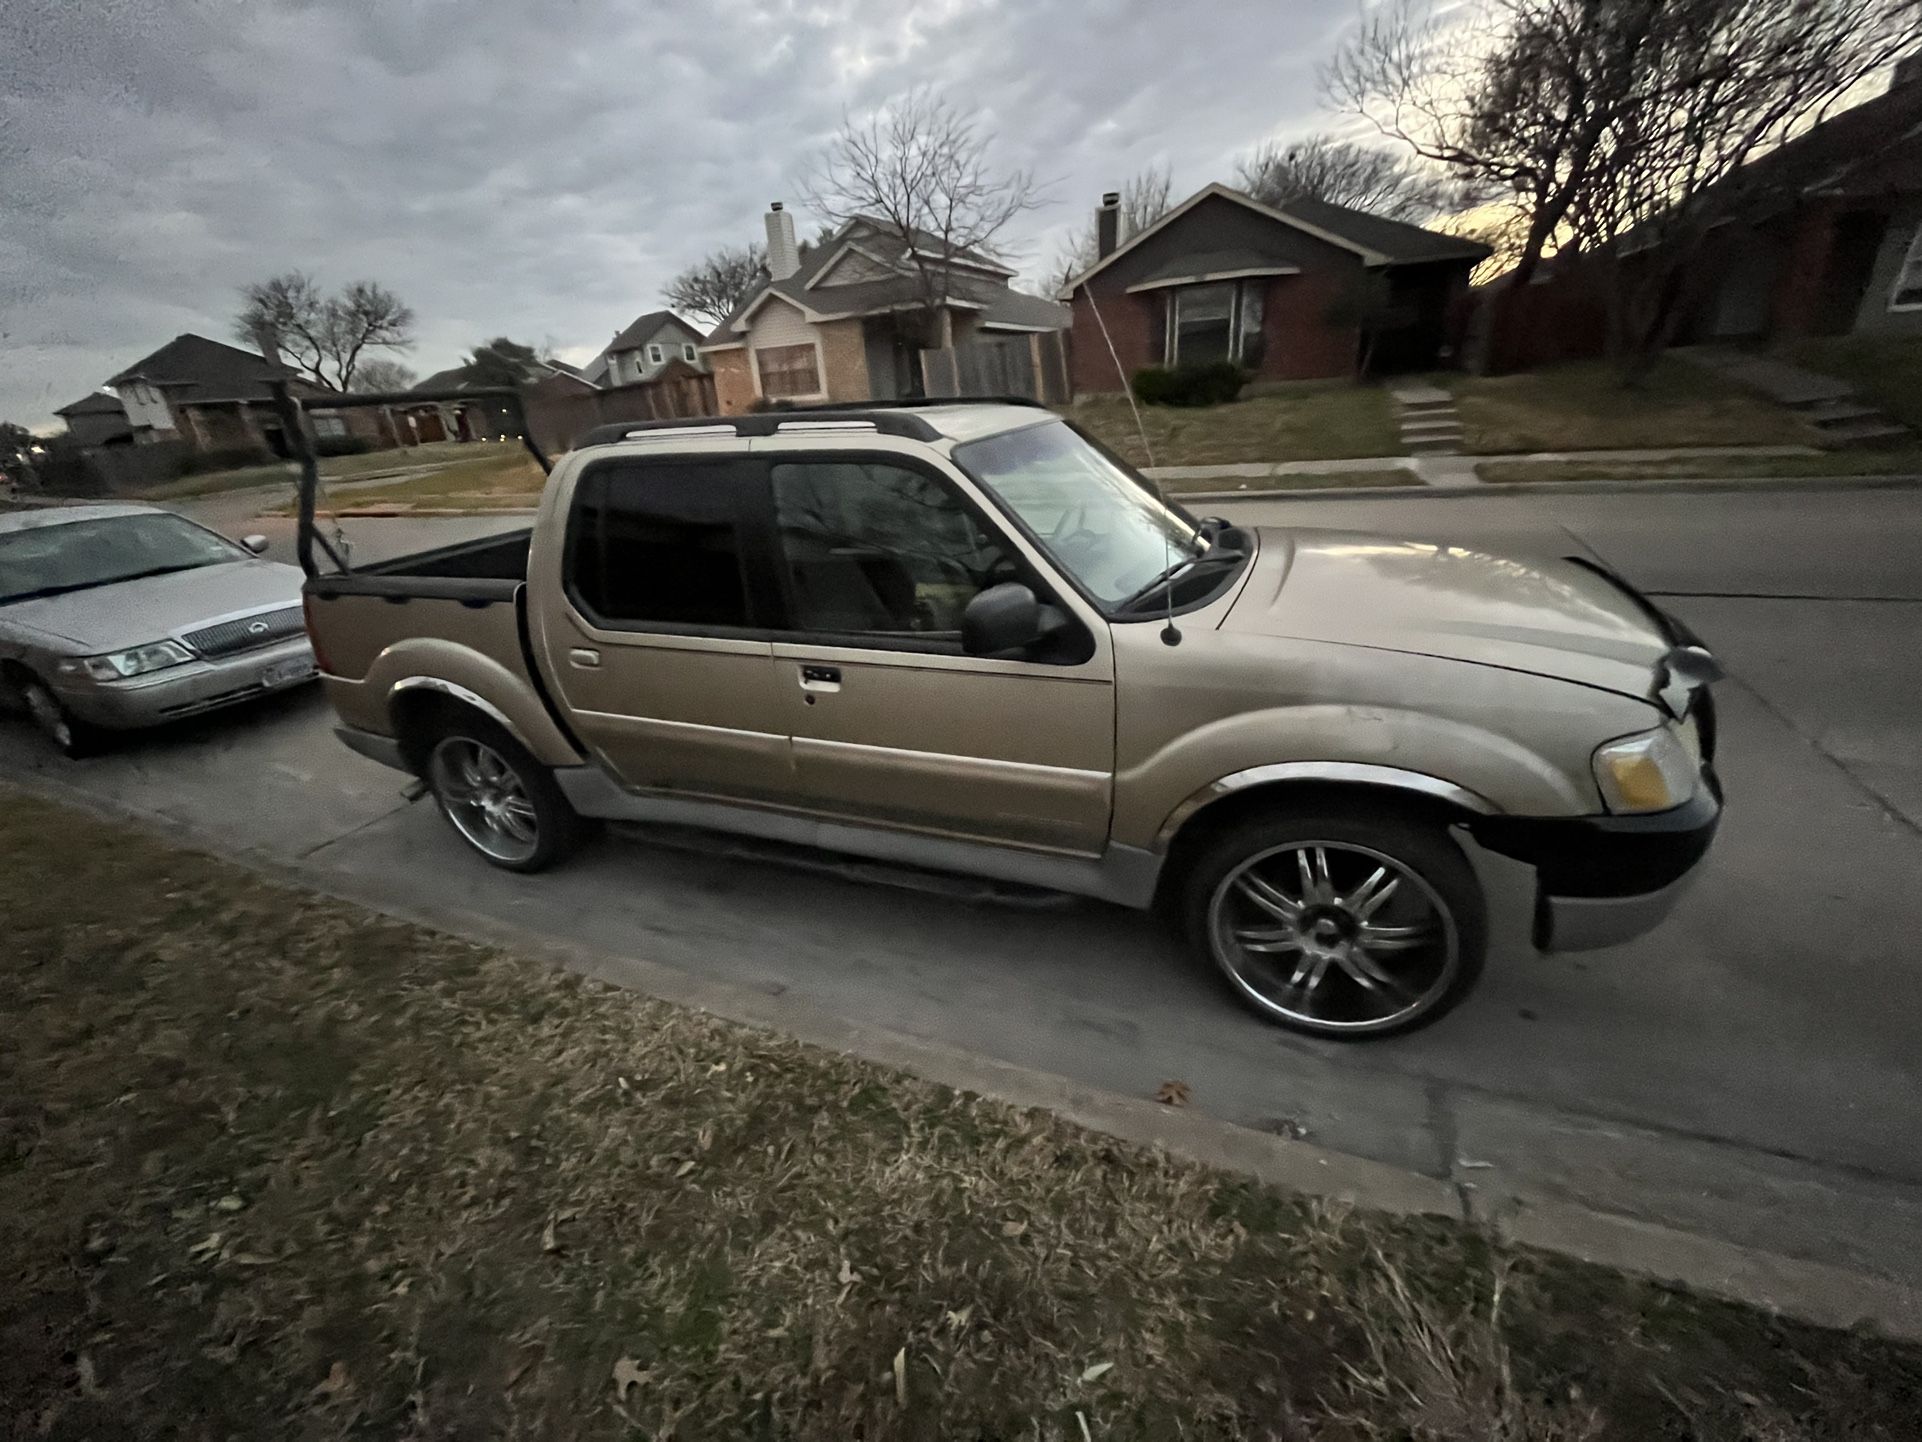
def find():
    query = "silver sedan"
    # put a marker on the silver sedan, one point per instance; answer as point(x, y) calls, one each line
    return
point(120, 616)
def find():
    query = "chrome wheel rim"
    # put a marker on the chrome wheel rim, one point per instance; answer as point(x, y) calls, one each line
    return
point(482, 795)
point(48, 716)
point(1333, 937)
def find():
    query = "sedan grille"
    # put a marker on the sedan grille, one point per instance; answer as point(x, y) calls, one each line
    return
point(229, 638)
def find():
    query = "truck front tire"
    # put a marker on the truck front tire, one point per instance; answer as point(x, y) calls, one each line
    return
point(498, 798)
point(1336, 922)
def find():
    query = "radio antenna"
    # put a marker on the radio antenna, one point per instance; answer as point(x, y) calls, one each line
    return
point(1170, 636)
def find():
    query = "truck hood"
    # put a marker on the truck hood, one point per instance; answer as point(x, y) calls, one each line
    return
point(132, 613)
point(1549, 617)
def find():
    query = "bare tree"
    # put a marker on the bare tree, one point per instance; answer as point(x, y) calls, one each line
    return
point(321, 335)
point(1145, 198)
point(1381, 182)
point(1722, 83)
point(716, 283)
point(923, 171)
point(382, 376)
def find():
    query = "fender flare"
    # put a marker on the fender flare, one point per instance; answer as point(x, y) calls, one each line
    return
point(461, 694)
point(1342, 772)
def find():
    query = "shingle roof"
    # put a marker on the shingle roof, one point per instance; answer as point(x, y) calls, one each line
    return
point(1396, 241)
point(1855, 151)
point(193, 368)
point(1015, 307)
point(1191, 265)
point(643, 329)
point(95, 403)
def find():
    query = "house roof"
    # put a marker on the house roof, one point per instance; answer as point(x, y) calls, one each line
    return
point(94, 403)
point(1376, 241)
point(644, 329)
point(1192, 267)
point(192, 368)
point(988, 293)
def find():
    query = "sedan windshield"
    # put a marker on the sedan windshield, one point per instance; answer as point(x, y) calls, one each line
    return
point(79, 555)
point(1095, 519)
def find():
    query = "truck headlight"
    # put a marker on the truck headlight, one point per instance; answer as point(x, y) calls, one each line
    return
point(135, 661)
point(1649, 772)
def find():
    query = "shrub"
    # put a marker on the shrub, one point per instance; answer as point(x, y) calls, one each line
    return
point(342, 445)
point(1203, 385)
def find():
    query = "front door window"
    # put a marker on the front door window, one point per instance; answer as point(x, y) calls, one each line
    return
point(876, 549)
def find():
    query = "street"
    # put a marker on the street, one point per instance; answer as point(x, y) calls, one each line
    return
point(1751, 1070)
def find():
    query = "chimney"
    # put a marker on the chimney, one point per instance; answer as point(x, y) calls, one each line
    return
point(783, 252)
point(1107, 225)
point(267, 342)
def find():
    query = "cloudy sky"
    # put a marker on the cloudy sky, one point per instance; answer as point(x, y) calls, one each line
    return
point(540, 168)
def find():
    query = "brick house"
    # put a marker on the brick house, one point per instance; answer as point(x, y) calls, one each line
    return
point(1282, 291)
point(209, 394)
point(1824, 239)
point(844, 323)
point(97, 419)
point(644, 349)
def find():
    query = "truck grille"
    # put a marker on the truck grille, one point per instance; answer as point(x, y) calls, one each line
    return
point(229, 638)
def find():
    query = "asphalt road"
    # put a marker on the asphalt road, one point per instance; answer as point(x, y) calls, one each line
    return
point(1751, 1070)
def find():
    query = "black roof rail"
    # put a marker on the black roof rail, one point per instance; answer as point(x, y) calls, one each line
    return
point(889, 418)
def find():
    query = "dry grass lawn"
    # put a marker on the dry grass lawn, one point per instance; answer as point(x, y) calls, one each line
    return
point(272, 1166)
point(1906, 461)
point(1296, 423)
point(337, 468)
point(1583, 406)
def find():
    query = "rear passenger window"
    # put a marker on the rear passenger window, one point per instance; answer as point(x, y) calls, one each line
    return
point(657, 543)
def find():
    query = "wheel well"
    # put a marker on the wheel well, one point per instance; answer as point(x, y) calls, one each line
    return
point(1217, 816)
point(422, 717)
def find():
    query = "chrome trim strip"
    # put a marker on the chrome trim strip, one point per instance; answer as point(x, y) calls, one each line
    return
point(646, 724)
point(459, 693)
point(953, 760)
point(1359, 772)
point(1125, 875)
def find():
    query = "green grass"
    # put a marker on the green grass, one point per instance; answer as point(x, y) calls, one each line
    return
point(1906, 461)
point(273, 1166)
point(1299, 481)
point(1583, 406)
point(1885, 370)
point(1293, 423)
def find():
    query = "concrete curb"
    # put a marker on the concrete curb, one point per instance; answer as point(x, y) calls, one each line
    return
point(1680, 485)
point(1809, 1291)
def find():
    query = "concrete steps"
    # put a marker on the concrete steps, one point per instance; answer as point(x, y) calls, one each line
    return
point(1427, 419)
point(1830, 408)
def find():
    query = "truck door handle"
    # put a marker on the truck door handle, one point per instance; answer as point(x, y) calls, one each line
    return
point(584, 656)
point(820, 678)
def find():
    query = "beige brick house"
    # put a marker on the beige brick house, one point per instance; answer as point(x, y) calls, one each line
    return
point(843, 323)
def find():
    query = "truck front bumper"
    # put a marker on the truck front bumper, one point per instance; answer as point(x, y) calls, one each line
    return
point(1604, 880)
point(190, 688)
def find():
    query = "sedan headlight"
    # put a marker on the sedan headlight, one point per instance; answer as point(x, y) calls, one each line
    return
point(1649, 772)
point(135, 661)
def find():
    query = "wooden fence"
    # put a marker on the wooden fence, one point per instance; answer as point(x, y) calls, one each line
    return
point(679, 392)
point(1033, 365)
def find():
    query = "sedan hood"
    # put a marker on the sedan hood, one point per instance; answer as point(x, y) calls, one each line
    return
point(132, 613)
point(1552, 618)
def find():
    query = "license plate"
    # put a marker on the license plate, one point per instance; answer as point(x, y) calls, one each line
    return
point(285, 673)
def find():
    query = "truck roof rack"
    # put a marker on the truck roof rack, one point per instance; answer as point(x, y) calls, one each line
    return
point(889, 418)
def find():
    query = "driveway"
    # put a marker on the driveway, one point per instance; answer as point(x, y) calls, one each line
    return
point(1750, 1071)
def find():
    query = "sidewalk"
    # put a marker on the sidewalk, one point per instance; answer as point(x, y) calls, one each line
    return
point(1449, 470)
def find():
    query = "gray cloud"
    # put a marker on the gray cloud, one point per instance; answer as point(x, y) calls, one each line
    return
point(539, 170)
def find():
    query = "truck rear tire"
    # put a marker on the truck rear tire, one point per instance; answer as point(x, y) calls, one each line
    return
point(498, 798)
point(1339, 923)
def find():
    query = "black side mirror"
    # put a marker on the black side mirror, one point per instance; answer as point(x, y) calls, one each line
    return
point(1006, 619)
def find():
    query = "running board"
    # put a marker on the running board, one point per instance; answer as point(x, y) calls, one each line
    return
point(1124, 875)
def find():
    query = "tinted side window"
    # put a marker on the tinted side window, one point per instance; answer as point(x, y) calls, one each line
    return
point(878, 548)
point(658, 543)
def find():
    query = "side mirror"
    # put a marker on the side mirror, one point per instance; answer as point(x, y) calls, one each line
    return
point(256, 544)
point(1005, 619)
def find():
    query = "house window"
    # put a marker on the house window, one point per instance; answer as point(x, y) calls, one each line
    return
point(1908, 281)
point(655, 355)
point(1218, 322)
point(787, 371)
point(689, 354)
point(330, 425)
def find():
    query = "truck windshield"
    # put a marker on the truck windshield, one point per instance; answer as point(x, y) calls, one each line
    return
point(79, 555)
point(1095, 519)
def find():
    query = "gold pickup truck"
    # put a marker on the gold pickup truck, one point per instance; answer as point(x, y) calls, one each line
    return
point(964, 636)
